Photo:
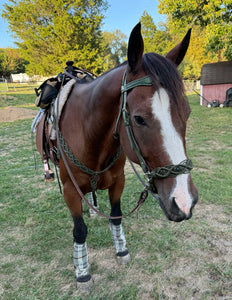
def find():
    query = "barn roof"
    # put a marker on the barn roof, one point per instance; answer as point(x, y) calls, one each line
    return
point(217, 73)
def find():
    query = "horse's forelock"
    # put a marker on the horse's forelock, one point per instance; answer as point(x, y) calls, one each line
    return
point(165, 74)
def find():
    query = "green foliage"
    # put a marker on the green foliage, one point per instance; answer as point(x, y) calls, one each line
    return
point(115, 48)
point(162, 39)
point(155, 39)
point(148, 27)
point(51, 32)
point(196, 56)
point(11, 62)
point(213, 17)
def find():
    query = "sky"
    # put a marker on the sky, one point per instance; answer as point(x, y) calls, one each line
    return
point(121, 14)
point(125, 14)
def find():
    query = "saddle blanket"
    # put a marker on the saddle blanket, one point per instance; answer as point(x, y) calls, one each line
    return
point(62, 98)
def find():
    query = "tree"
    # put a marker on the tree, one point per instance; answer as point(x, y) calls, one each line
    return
point(116, 47)
point(163, 38)
point(51, 32)
point(213, 17)
point(148, 31)
point(196, 55)
point(11, 62)
point(155, 39)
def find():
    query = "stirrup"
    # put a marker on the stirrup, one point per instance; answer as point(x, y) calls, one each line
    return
point(49, 175)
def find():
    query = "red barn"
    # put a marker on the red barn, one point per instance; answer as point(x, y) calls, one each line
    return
point(216, 79)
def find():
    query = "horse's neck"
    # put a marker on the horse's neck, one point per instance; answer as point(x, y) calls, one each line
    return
point(108, 87)
point(104, 103)
point(91, 114)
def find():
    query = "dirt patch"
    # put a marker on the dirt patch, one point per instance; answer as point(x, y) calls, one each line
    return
point(12, 113)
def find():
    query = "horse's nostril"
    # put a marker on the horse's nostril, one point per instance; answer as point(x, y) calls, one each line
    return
point(189, 216)
point(177, 212)
point(174, 206)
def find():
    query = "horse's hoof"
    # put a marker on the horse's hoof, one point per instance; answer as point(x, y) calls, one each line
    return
point(122, 260)
point(84, 285)
point(93, 214)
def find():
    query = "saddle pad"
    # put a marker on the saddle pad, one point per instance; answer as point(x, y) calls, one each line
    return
point(62, 98)
point(37, 120)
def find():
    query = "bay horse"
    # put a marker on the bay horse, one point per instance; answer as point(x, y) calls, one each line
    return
point(137, 110)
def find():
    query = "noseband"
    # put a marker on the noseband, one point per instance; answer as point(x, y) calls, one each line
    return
point(183, 167)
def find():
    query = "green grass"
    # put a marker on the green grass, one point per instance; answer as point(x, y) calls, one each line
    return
point(19, 100)
point(209, 142)
point(18, 88)
point(188, 260)
point(22, 96)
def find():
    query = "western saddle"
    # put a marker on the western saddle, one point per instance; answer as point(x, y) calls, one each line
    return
point(44, 123)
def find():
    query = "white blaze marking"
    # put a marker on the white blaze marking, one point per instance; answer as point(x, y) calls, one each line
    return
point(173, 146)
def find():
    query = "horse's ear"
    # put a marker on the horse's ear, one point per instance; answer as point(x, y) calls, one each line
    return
point(135, 49)
point(177, 54)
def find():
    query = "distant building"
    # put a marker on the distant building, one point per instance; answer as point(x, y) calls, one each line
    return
point(20, 78)
point(216, 79)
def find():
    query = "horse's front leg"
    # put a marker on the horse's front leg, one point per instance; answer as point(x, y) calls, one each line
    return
point(118, 237)
point(80, 255)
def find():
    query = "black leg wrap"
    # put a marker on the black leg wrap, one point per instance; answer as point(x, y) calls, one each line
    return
point(84, 278)
point(79, 231)
point(121, 254)
point(116, 212)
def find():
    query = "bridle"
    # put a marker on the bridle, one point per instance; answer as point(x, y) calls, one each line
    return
point(183, 167)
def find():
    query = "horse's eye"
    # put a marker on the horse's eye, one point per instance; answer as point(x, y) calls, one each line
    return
point(140, 121)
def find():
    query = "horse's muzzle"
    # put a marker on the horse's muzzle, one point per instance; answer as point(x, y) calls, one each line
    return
point(174, 213)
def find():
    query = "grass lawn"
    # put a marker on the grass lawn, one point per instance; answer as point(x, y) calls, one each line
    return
point(188, 260)
point(18, 100)
point(19, 88)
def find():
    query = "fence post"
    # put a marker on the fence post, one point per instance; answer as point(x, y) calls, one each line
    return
point(7, 89)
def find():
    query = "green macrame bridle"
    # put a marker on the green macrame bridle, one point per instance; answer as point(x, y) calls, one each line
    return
point(161, 172)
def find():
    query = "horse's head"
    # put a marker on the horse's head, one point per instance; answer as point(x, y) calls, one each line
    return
point(158, 113)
